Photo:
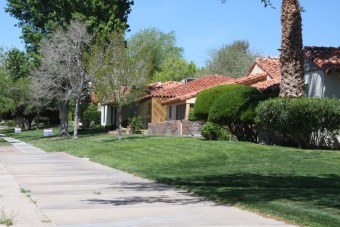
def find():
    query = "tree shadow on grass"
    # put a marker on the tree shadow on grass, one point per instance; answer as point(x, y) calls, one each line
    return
point(253, 188)
point(131, 137)
point(92, 131)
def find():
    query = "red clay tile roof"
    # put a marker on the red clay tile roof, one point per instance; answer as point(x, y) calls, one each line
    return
point(249, 80)
point(191, 89)
point(264, 85)
point(326, 58)
point(270, 67)
point(157, 87)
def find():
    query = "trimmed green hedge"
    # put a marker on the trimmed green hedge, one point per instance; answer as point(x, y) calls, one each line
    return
point(304, 122)
point(206, 98)
point(235, 108)
point(236, 105)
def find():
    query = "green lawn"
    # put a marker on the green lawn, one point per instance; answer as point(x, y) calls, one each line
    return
point(4, 143)
point(301, 186)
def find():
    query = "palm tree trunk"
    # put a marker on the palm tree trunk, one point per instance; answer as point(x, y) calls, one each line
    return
point(291, 58)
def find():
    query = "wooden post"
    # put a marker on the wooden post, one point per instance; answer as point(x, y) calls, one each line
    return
point(187, 109)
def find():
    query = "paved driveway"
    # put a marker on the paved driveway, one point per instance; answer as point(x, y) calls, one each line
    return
point(61, 190)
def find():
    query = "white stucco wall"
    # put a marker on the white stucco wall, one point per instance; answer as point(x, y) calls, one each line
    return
point(256, 70)
point(103, 118)
point(106, 115)
point(321, 85)
point(191, 101)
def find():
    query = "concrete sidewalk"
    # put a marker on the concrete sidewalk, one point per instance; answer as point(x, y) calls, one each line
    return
point(62, 190)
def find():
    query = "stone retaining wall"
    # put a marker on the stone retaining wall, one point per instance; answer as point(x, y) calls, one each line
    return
point(175, 128)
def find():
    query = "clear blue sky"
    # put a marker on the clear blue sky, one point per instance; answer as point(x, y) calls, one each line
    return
point(208, 24)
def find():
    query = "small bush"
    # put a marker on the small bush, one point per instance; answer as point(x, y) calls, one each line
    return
point(91, 116)
point(235, 108)
point(212, 131)
point(136, 124)
point(191, 116)
point(304, 122)
point(206, 98)
point(10, 124)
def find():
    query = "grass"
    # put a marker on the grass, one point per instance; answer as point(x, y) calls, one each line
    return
point(6, 219)
point(300, 186)
point(4, 143)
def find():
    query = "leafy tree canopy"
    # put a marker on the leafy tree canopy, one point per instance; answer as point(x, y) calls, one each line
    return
point(232, 60)
point(159, 47)
point(175, 70)
point(120, 76)
point(38, 18)
point(18, 64)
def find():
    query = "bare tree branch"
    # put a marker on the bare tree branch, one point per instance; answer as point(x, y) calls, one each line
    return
point(62, 75)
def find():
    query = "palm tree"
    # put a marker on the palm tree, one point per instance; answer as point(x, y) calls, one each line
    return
point(291, 58)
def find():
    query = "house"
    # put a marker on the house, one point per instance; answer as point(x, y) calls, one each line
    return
point(322, 71)
point(264, 74)
point(149, 106)
point(321, 66)
point(182, 98)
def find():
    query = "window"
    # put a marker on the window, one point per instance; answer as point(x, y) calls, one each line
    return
point(170, 108)
point(180, 112)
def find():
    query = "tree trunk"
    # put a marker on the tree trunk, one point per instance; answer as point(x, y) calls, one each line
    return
point(64, 109)
point(291, 58)
point(37, 120)
point(30, 120)
point(119, 123)
point(76, 120)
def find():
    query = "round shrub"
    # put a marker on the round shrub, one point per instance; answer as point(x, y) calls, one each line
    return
point(237, 105)
point(235, 108)
point(206, 98)
point(91, 115)
point(212, 131)
point(305, 122)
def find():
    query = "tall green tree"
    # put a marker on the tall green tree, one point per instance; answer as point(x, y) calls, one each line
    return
point(18, 64)
point(159, 48)
point(6, 103)
point(175, 70)
point(232, 60)
point(18, 100)
point(120, 76)
point(38, 18)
